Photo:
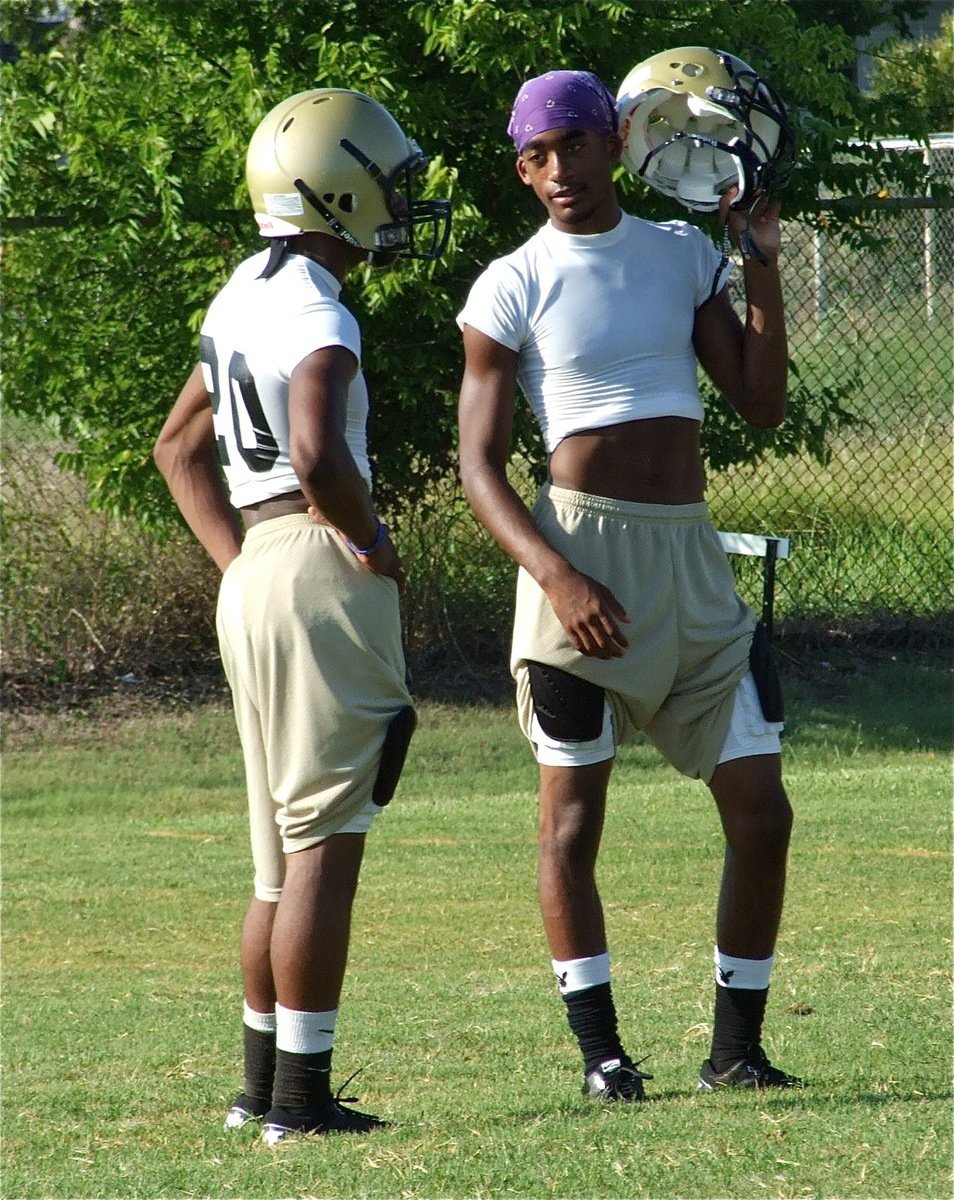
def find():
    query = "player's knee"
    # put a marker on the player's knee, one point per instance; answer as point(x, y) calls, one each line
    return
point(561, 829)
point(756, 814)
point(775, 822)
point(566, 851)
point(784, 815)
point(572, 803)
point(772, 828)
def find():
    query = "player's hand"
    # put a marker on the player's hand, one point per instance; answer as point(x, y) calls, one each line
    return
point(385, 561)
point(591, 616)
point(755, 229)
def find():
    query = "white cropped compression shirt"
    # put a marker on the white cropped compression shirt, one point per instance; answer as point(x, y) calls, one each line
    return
point(255, 333)
point(602, 322)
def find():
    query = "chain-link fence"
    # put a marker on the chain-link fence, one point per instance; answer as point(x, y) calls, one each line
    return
point(870, 528)
point(88, 597)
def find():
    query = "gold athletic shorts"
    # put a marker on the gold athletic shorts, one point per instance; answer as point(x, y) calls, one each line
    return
point(689, 634)
point(311, 646)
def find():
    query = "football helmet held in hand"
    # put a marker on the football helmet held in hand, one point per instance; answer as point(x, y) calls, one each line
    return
point(335, 161)
point(696, 122)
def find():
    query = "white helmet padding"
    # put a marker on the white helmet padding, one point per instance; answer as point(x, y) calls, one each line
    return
point(696, 122)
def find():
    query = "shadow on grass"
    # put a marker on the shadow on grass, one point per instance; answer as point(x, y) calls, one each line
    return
point(809, 1097)
point(893, 700)
point(835, 691)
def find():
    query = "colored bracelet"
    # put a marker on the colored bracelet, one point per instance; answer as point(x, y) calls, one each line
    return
point(380, 535)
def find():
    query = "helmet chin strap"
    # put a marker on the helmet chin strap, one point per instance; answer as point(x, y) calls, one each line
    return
point(381, 258)
point(277, 253)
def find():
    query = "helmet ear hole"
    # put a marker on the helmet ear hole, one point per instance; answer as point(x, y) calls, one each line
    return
point(347, 202)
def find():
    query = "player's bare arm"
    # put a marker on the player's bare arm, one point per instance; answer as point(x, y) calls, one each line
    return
point(318, 450)
point(185, 455)
point(587, 610)
point(749, 363)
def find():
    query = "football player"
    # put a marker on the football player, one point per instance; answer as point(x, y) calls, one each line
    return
point(626, 615)
point(271, 425)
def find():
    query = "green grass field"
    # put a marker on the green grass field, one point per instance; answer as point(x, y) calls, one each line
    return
point(125, 876)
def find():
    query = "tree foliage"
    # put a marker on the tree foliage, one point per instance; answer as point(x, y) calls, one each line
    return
point(919, 76)
point(857, 18)
point(123, 148)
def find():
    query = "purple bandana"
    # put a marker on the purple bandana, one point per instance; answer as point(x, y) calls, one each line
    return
point(559, 100)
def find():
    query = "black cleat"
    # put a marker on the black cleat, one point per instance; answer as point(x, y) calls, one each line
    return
point(615, 1081)
point(244, 1111)
point(329, 1117)
point(753, 1071)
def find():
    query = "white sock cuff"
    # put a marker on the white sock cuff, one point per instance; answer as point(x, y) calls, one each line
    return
point(752, 974)
point(577, 974)
point(263, 1022)
point(304, 1032)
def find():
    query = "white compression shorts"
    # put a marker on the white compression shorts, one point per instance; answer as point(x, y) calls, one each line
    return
point(749, 734)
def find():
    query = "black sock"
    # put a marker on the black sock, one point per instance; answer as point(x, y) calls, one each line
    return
point(737, 1024)
point(259, 1063)
point(592, 1017)
point(302, 1081)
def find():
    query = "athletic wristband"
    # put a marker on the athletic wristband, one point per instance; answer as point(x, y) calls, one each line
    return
point(382, 533)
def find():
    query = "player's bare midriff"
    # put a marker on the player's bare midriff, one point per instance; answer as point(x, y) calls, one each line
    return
point(656, 461)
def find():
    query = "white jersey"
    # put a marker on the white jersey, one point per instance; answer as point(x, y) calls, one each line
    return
point(254, 335)
point(602, 322)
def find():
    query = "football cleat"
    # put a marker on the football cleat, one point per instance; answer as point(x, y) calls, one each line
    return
point(753, 1071)
point(615, 1081)
point(244, 1111)
point(329, 1117)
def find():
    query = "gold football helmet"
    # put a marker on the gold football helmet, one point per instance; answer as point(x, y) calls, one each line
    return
point(335, 161)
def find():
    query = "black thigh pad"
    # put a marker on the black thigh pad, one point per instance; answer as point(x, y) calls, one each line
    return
point(765, 674)
point(568, 708)
point(393, 753)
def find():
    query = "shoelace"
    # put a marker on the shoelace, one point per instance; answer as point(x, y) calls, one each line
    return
point(339, 1099)
point(636, 1065)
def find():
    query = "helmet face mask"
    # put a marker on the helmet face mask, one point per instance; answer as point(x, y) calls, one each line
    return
point(419, 228)
point(335, 161)
point(696, 122)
